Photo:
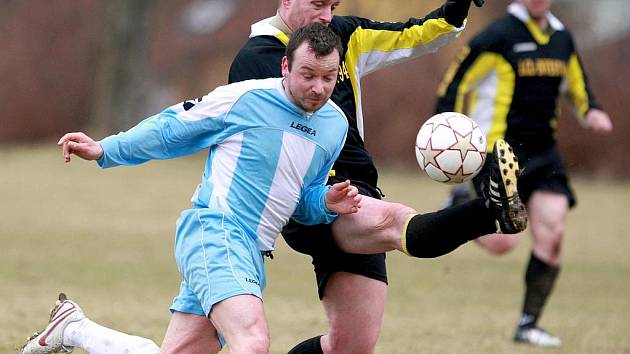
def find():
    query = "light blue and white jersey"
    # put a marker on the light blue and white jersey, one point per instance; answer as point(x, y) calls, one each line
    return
point(268, 159)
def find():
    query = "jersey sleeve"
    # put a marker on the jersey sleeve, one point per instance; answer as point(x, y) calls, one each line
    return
point(577, 87)
point(179, 130)
point(372, 45)
point(470, 67)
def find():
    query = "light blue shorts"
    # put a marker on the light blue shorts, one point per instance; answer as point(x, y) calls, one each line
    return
point(216, 259)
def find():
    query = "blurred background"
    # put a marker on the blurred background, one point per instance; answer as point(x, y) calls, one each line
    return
point(106, 238)
point(101, 66)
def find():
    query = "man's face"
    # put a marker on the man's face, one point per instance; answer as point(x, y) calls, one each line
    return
point(311, 80)
point(298, 13)
point(537, 8)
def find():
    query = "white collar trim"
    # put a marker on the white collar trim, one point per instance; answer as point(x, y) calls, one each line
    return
point(264, 28)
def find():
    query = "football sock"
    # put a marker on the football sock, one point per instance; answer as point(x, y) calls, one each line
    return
point(540, 278)
point(96, 339)
point(438, 233)
point(309, 346)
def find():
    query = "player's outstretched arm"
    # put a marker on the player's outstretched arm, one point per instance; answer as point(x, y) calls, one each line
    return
point(81, 145)
point(598, 121)
point(343, 198)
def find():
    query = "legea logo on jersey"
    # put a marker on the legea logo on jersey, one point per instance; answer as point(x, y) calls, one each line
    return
point(253, 281)
point(303, 128)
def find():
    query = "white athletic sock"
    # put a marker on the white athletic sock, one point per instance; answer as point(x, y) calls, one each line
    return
point(96, 339)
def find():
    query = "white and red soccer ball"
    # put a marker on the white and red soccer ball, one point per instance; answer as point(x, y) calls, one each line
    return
point(450, 147)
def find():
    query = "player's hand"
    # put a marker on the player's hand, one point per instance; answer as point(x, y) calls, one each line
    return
point(598, 121)
point(343, 198)
point(80, 145)
point(456, 11)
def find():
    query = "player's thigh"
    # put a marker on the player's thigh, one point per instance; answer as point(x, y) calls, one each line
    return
point(352, 299)
point(375, 219)
point(241, 321)
point(547, 211)
point(547, 215)
point(188, 333)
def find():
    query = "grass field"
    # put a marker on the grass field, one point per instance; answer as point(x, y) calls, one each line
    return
point(105, 238)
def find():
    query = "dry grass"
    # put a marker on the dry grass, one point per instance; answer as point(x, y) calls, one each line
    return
point(105, 237)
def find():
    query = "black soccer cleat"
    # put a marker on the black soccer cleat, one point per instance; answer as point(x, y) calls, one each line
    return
point(501, 194)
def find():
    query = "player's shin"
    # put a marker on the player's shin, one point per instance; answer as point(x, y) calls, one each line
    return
point(438, 233)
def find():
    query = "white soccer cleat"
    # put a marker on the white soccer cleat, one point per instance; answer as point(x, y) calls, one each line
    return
point(50, 340)
point(536, 336)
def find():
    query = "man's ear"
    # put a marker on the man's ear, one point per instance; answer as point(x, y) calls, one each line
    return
point(285, 66)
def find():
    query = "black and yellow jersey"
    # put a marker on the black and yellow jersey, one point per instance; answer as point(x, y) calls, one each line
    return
point(368, 46)
point(509, 79)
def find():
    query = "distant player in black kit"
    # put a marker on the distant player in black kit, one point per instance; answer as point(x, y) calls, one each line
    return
point(509, 79)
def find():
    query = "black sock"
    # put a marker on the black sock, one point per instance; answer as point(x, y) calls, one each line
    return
point(309, 346)
point(540, 278)
point(436, 234)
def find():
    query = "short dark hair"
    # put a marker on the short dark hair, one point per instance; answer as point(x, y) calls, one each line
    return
point(321, 39)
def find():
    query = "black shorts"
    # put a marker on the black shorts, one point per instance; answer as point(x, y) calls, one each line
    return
point(542, 170)
point(317, 241)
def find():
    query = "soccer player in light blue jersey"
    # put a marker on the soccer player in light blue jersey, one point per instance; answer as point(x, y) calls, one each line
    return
point(271, 146)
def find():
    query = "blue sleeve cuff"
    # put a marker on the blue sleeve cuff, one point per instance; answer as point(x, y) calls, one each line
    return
point(108, 145)
point(329, 216)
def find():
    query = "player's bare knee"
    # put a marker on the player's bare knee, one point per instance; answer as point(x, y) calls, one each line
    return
point(393, 218)
point(350, 340)
point(259, 344)
point(252, 343)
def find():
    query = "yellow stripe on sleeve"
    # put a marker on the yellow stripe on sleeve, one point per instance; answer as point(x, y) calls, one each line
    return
point(484, 65)
point(414, 36)
point(371, 49)
point(503, 101)
point(577, 86)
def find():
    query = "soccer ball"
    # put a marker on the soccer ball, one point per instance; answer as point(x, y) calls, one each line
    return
point(450, 148)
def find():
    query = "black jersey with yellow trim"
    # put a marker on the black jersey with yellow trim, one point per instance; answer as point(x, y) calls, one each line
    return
point(368, 46)
point(510, 77)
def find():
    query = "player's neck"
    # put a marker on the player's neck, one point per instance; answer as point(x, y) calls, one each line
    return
point(542, 23)
point(278, 22)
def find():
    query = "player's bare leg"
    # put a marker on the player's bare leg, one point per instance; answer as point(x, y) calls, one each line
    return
point(241, 321)
point(377, 227)
point(548, 213)
point(190, 334)
point(380, 226)
point(349, 300)
point(498, 244)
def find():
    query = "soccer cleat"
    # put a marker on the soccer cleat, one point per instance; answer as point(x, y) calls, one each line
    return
point(50, 340)
point(501, 193)
point(536, 336)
